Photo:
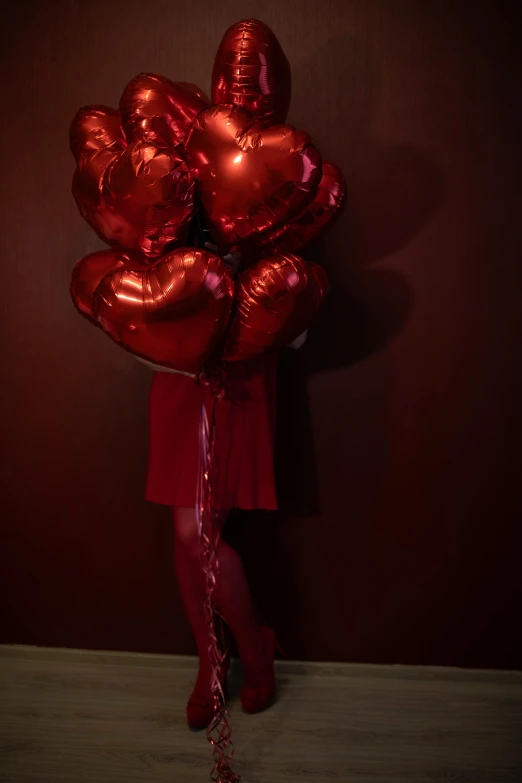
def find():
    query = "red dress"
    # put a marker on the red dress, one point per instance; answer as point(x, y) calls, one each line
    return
point(245, 431)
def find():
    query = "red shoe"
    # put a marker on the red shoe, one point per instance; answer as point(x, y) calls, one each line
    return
point(200, 706)
point(259, 688)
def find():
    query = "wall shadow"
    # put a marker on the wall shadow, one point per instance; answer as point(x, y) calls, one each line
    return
point(391, 193)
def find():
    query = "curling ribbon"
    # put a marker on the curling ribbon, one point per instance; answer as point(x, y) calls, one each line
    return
point(219, 730)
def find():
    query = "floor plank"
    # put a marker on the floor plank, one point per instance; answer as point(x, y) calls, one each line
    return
point(108, 717)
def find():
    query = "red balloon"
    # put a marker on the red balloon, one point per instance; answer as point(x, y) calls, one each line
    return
point(197, 91)
point(311, 223)
point(155, 109)
point(96, 128)
point(252, 72)
point(172, 313)
point(138, 199)
point(277, 300)
point(87, 275)
point(250, 179)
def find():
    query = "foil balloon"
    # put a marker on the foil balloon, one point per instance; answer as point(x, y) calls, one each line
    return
point(250, 180)
point(172, 313)
point(197, 91)
point(87, 274)
point(251, 71)
point(96, 128)
point(153, 108)
point(319, 215)
point(277, 299)
point(96, 139)
point(138, 198)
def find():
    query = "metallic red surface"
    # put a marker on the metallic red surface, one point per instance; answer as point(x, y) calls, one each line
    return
point(277, 300)
point(318, 216)
point(250, 180)
point(96, 128)
point(173, 313)
point(139, 200)
point(153, 108)
point(252, 72)
point(87, 275)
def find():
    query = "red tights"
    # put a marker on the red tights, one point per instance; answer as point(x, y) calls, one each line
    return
point(232, 595)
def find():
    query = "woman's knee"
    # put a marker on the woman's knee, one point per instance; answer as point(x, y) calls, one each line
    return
point(186, 532)
point(186, 529)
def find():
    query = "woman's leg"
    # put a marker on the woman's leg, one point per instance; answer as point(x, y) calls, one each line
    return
point(232, 595)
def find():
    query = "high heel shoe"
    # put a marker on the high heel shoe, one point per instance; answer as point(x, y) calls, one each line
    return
point(259, 689)
point(200, 706)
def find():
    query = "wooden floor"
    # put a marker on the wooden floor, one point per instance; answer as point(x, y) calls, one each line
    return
point(85, 717)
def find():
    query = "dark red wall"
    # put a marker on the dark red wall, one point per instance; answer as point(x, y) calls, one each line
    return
point(399, 442)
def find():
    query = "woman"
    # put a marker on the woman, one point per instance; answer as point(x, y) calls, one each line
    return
point(245, 430)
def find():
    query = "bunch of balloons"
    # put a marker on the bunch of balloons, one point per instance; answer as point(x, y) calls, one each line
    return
point(168, 156)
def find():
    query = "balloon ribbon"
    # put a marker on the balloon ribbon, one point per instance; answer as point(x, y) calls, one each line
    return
point(219, 730)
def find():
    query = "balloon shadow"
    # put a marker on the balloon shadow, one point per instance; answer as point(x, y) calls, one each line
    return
point(357, 320)
point(391, 193)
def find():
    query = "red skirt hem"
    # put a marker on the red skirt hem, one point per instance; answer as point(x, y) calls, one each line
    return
point(245, 433)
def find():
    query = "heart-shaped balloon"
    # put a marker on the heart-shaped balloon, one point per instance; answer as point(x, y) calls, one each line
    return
point(87, 274)
point(311, 223)
point(198, 92)
point(252, 72)
point(277, 299)
point(250, 179)
point(172, 313)
point(155, 109)
point(138, 198)
point(96, 128)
